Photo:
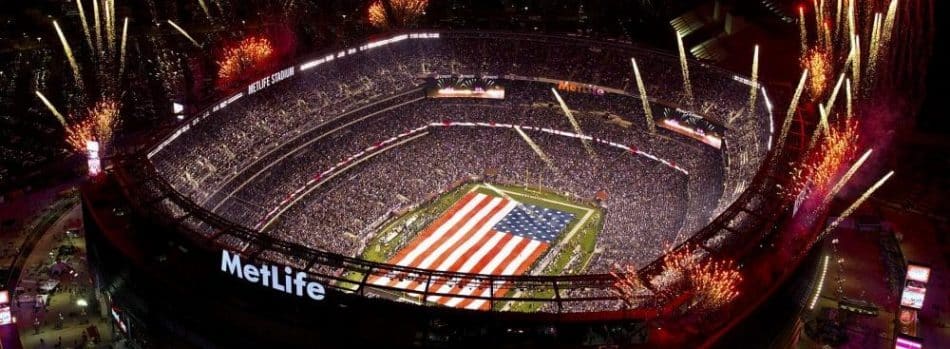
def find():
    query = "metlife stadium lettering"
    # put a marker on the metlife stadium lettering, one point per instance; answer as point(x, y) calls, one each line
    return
point(270, 80)
point(271, 276)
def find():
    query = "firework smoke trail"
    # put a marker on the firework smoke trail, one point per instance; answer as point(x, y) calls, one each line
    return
point(888, 30)
point(574, 124)
point(849, 111)
point(97, 26)
point(183, 32)
point(856, 62)
point(845, 178)
point(874, 46)
point(105, 26)
point(831, 101)
point(110, 24)
point(790, 114)
point(687, 86)
point(819, 20)
point(69, 56)
point(823, 120)
point(85, 26)
point(537, 149)
point(125, 31)
point(52, 109)
point(643, 97)
point(204, 8)
point(802, 31)
point(755, 80)
point(852, 30)
point(837, 18)
point(857, 203)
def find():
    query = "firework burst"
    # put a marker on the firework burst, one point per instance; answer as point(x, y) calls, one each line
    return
point(818, 63)
point(712, 283)
point(822, 164)
point(250, 54)
point(405, 13)
point(627, 286)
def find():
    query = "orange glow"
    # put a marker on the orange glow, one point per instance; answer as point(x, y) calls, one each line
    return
point(712, 283)
point(405, 13)
point(247, 55)
point(819, 66)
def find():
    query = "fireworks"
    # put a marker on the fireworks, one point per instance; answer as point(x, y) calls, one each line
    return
point(577, 127)
point(404, 12)
point(52, 109)
point(78, 133)
point(687, 87)
point(713, 283)
point(537, 149)
point(824, 161)
point(251, 53)
point(643, 97)
point(818, 63)
point(627, 284)
point(183, 32)
point(790, 114)
point(846, 177)
point(104, 116)
point(377, 15)
point(125, 30)
point(802, 31)
point(857, 203)
point(69, 55)
point(85, 27)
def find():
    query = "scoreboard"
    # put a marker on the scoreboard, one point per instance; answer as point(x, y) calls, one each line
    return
point(465, 86)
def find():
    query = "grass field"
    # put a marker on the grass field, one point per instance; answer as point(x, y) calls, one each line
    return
point(572, 250)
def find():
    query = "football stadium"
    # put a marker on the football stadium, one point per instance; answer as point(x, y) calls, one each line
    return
point(406, 173)
point(442, 169)
point(361, 157)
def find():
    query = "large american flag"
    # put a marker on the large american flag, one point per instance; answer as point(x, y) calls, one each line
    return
point(482, 234)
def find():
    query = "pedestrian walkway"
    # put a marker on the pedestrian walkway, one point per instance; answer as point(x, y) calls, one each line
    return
point(54, 303)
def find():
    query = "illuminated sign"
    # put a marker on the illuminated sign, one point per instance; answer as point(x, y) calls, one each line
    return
point(92, 158)
point(225, 102)
point(918, 273)
point(283, 280)
point(581, 88)
point(913, 297)
point(270, 80)
point(6, 317)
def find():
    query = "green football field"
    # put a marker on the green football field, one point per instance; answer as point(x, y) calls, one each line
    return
point(570, 253)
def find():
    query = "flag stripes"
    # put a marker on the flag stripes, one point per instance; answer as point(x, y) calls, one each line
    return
point(481, 234)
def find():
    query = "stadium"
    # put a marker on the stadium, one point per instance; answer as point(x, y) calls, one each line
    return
point(440, 169)
point(468, 174)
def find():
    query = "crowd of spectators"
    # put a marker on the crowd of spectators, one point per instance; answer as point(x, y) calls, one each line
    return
point(244, 160)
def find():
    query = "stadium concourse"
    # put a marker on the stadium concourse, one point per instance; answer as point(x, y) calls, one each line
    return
point(245, 160)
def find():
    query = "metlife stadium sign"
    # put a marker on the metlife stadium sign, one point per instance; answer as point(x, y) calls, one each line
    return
point(271, 276)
